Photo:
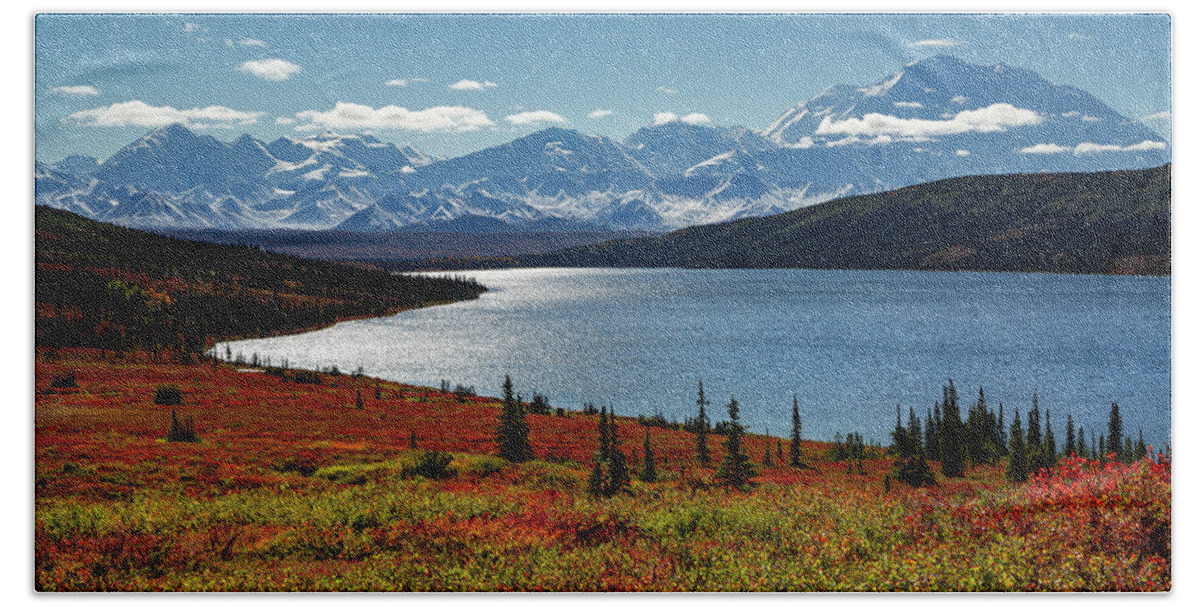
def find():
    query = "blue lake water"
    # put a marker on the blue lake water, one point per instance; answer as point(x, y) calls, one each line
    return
point(849, 344)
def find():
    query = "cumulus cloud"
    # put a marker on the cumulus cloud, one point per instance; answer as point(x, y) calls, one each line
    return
point(937, 42)
point(1164, 115)
point(1087, 118)
point(908, 104)
point(958, 99)
point(962, 152)
point(138, 113)
point(598, 113)
point(347, 116)
point(251, 42)
point(269, 69)
point(534, 117)
point(1043, 149)
point(992, 119)
point(1087, 147)
point(82, 90)
point(473, 85)
point(397, 82)
point(695, 118)
point(284, 120)
point(666, 90)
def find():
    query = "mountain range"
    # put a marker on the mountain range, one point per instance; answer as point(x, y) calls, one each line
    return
point(1107, 222)
point(936, 118)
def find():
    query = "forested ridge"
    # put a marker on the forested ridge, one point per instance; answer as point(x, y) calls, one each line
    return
point(1116, 222)
point(103, 286)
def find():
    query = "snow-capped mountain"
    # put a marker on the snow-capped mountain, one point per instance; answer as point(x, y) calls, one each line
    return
point(937, 118)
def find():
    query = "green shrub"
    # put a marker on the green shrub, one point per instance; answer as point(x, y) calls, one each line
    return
point(63, 380)
point(304, 376)
point(167, 394)
point(433, 464)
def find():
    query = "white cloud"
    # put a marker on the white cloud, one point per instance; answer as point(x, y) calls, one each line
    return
point(1077, 36)
point(1091, 148)
point(1088, 147)
point(354, 117)
point(598, 113)
point(992, 119)
point(1044, 149)
point(695, 118)
point(270, 69)
point(662, 118)
point(473, 85)
point(251, 42)
point(908, 104)
point(534, 117)
point(138, 113)
point(962, 152)
point(1087, 118)
point(82, 90)
point(1070, 114)
point(937, 42)
point(666, 90)
point(191, 27)
point(284, 120)
point(1164, 115)
point(958, 99)
point(397, 82)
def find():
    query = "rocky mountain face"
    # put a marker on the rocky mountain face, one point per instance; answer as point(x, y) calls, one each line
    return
point(937, 118)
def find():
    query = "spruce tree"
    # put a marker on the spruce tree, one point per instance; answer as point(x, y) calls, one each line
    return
point(1127, 450)
point(794, 448)
point(1017, 471)
point(735, 469)
point(358, 401)
point(952, 434)
point(649, 473)
point(1116, 431)
point(512, 435)
point(1049, 448)
point(1080, 445)
point(1140, 448)
point(702, 453)
point(767, 453)
point(779, 451)
point(1069, 443)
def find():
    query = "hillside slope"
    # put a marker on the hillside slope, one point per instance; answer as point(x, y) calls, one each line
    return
point(103, 286)
point(1105, 222)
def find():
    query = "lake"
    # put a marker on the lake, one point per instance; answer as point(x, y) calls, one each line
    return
point(849, 344)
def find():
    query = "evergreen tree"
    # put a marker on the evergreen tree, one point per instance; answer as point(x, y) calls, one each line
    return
point(412, 440)
point(1080, 445)
point(930, 436)
point(1104, 449)
point(935, 447)
point(1034, 438)
point(1140, 447)
point(610, 473)
point(1001, 434)
point(1049, 448)
point(649, 473)
point(911, 465)
point(735, 469)
point(779, 451)
point(358, 402)
point(794, 449)
point(1017, 471)
point(702, 453)
point(1127, 450)
point(914, 430)
point(981, 435)
point(1069, 443)
point(767, 454)
point(596, 479)
point(512, 435)
point(1095, 450)
point(952, 434)
point(1116, 431)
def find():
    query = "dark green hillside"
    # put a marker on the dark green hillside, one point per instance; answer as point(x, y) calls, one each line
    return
point(1107, 222)
point(102, 286)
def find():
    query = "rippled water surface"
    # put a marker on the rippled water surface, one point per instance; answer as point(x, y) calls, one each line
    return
point(849, 344)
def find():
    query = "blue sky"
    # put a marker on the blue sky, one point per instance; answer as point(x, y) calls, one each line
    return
point(451, 84)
